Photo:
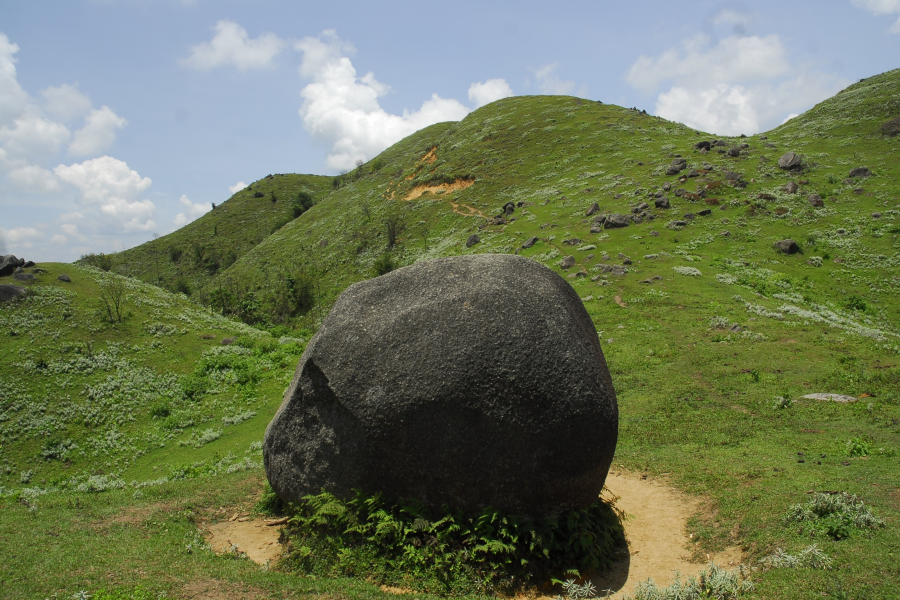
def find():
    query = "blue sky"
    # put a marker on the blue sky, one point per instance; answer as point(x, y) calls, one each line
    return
point(121, 119)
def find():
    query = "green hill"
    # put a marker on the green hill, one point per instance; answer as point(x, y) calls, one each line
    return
point(712, 334)
point(186, 259)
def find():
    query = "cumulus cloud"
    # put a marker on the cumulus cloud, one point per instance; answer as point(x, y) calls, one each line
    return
point(882, 7)
point(32, 137)
point(488, 91)
point(739, 84)
point(31, 178)
point(98, 133)
point(192, 211)
point(13, 98)
point(111, 187)
point(22, 237)
point(65, 102)
point(550, 83)
point(234, 189)
point(342, 109)
point(697, 63)
point(232, 47)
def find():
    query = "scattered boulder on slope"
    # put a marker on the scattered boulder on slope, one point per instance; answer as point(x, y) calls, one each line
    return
point(448, 382)
point(815, 200)
point(860, 172)
point(473, 239)
point(23, 276)
point(677, 166)
point(567, 263)
point(616, 220)
point(787, 246)
point(65, 278)
point(8, 292)
point(530, 242)
point(9, 263)
point(790, 160)
point(593, 210)
point(661, 202)
point(791, 188)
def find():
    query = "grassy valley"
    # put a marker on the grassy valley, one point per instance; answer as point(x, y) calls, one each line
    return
point(143, 426)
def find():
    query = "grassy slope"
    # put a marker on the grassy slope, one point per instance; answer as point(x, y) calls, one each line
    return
point(696, 401)
point(221, 236)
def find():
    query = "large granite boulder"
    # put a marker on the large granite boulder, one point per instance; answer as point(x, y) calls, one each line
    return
point(469, 381)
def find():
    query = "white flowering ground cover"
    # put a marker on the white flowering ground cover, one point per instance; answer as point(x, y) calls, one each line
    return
point(712, 337)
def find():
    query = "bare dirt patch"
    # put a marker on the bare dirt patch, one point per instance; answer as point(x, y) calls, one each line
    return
point(258, 540)
point(656, 530)
point(459, 184)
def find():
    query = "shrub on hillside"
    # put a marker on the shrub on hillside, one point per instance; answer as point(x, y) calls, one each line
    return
point(301, 203)
point(447, 551)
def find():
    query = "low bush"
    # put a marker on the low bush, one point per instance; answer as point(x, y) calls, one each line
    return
point(446, 551)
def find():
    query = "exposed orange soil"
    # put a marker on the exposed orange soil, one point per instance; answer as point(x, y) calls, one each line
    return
point(459, 184)
point(252, 537)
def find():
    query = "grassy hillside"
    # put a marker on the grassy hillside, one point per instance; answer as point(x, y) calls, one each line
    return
point(712, 336)
point(186, 259)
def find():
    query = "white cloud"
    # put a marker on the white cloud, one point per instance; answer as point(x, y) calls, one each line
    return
point(342, 109)
point(110, 186)
point(882, 7)
point(22, 237)
point(98, 133)
point(33, 137)
point(550, 83)
point(737, 85)
point(65, 102)
point(234, 189)
point(489, 91)
point(192, 211)
point(59, 239)
point(31, 178)
point(13, 99)
point(231, 46)
point(699, 64)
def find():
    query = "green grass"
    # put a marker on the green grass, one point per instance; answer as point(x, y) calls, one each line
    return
point(717, 407)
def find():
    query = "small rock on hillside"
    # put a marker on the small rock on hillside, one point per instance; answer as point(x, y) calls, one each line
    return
point(787, 246)
point(790, 160)
point(8, 292)
point(860, 172)
point(452, 382)
point(473, 239)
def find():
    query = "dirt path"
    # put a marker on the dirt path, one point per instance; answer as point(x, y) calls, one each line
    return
point(656, 530)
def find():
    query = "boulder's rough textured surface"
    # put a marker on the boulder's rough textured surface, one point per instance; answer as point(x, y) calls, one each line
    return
point(8, 292)
point(466, 381)
point(860, 172)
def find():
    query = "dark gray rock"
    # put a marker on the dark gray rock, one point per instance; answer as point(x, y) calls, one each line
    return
point(677, 166)
point(449, 382)
point(508, 209)
point(680, 192)
point(18, 270)
point(23, 276)
point(530, 242)
point(667, 186)
point(8, 292)
point(791, 188)
point(679, 223)
point(787, 246)
point(616, 220)
point(734, 152)
point(227, 341)
point(876, 215)
point(28, 264)
point(567, 262)
point(689, 217)
point(473, 239)
point(732, 176)
point(65, 278)
point(596, 228)
point(704, 212)
point(815, 200)
point(860, 172)
point(702, 146)
point(9, 263)
point(573, 242)
point(790, 160)
point(720, 143)
point(661, 203)
point(593, 210)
